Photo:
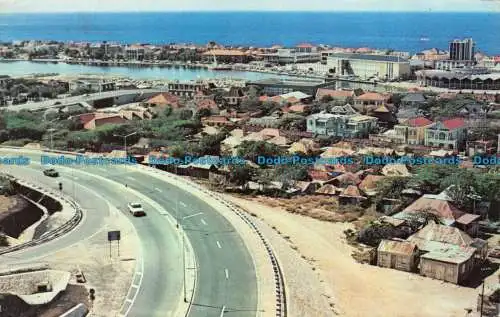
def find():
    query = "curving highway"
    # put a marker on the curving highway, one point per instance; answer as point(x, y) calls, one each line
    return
point(226, 274)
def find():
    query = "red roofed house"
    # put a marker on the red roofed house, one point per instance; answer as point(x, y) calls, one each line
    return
point(371, 98)
point(297, 108)
point(208, 104)
point(449, 134)
point(164, 99)
point(305, 48)
point(412, 131)
point(102, 120)
point(340, 95)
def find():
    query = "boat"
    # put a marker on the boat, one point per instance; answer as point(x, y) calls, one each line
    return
point(216, 66)
point(424, 39)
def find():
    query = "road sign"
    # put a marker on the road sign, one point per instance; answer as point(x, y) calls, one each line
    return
point(113, 236)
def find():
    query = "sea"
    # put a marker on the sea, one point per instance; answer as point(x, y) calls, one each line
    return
point(405, 31)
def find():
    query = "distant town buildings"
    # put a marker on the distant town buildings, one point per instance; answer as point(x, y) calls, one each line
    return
point(273, 87)
point(462, 50)
point(468, 78)
point(365, 66)
point(304, 53)
point(351, 125)
point(446, 134)
point(186, 88)
point(461, 55)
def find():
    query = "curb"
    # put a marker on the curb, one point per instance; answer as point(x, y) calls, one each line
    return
point(50, 235)
point(280, 286)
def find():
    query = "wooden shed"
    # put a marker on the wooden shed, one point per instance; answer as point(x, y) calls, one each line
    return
point(399, 255)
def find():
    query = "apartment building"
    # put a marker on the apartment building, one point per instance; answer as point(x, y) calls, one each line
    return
point(367, 66)
point(187, 88)
point(412, 131)
point(448, 134)
point(292, 56)
point(349, 126)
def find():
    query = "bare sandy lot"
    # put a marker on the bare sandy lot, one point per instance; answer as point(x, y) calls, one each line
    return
point(6, 203)
point(359, 290)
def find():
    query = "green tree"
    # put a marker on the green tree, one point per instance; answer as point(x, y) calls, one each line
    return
point(185, 114)
point(210, 144)
point(289, 174)
point(460, 186)
point(251, 104)
point(391, 187)
point(250, 150)
point(240, 175)
point(429, 178)
point(326, 99)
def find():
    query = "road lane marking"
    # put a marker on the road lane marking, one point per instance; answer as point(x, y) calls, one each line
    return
point(227, 274)
point(182, 204)
point(128, 300)
point(158, 190)
point(135, 286)
point(222, 311)
point(130, 177)
point(218, 245)
point(203, 222)
point(193, 215)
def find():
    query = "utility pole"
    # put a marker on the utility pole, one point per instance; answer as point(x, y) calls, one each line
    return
point(482, 300)
point(125, 139)
point(51, 138)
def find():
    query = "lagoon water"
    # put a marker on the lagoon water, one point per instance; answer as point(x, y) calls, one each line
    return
point(22, 68)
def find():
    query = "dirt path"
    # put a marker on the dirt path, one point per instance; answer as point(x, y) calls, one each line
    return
point(359, 290)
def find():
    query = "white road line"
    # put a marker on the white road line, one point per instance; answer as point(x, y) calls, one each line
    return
point(135, 286)
point(130, 177)
point(158, 190)
point(203, 222)
point(222, 311)
point(218, 245)
point(128, 300)
point(182, 204)
point(227, 274)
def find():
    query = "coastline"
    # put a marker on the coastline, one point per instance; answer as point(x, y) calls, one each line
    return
point(241, 68)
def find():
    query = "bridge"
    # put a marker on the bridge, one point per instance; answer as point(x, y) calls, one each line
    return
point(118, 96)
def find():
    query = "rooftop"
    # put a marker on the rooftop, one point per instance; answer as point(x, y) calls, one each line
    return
point(450, 254)
point(371, 57)
point(399, 247)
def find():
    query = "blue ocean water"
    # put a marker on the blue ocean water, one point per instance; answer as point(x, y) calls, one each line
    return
point(401, 31)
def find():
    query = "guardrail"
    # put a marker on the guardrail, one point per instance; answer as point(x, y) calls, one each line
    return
point(50, 235)
point(281, 301)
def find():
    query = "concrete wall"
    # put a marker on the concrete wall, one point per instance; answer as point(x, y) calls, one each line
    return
point(24, 285)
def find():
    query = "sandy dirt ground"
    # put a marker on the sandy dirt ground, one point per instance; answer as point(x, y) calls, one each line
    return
point(5, 203)
point(356, 290)
point(110, 277)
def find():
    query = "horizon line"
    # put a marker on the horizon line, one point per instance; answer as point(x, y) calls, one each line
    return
point(429, 11)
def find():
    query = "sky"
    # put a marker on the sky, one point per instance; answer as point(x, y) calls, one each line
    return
point(39, 6)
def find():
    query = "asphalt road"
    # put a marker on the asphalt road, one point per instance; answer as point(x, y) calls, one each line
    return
point(226, 275)
point(82, 98)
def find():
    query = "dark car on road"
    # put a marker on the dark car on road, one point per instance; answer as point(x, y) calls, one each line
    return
point(51, 172)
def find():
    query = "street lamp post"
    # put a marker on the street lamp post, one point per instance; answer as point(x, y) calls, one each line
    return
point(51, 138)
point(125, 139)
point(184, 252)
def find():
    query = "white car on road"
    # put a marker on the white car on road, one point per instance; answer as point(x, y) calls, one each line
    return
point(136, 209)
